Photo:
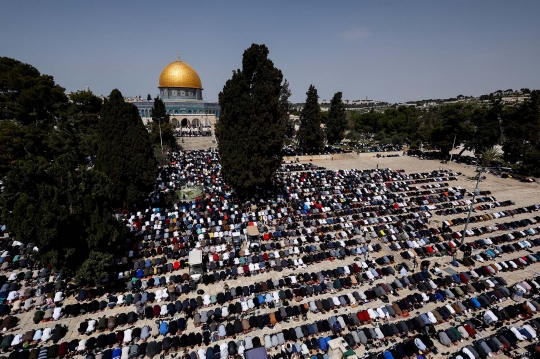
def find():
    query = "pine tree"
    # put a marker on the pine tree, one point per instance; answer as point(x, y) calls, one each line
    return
point(149, 98)
point(487, 127)
point(65, 210)
point(29, 97)
point(53, 196)
point(310, 135)
point(30, 105)
point(124, 153)
point(252, 126)
point(336, 124)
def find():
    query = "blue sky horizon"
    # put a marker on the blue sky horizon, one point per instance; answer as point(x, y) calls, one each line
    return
point(391, 51)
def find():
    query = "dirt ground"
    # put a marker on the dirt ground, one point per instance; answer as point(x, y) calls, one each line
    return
point(502, 188)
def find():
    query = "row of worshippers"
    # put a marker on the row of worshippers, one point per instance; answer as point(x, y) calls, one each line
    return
point(347, 320)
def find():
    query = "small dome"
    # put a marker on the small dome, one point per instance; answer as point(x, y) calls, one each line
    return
point(179, 74)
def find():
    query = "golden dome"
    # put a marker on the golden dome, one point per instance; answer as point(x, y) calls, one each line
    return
point(179, 74)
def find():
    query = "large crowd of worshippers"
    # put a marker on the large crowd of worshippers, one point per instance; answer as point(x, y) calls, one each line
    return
point(149, 306)
point(189, 131)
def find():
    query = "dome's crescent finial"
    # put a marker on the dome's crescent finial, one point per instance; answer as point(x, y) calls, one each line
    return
point(178, 52)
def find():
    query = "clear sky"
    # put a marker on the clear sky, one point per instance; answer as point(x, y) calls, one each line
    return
point(388, 50)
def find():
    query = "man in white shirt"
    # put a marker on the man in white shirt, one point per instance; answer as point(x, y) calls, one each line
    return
point(127, 335)
point(91, 326)
point(58, 297)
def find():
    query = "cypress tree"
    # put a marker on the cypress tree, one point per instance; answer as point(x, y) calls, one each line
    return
point(124, 152)
point(310, 135)
point(252, 126)
point(160, 118)
point(336, 124)
point(159, 111)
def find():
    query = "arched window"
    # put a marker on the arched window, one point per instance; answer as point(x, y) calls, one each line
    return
point(185, 122)
point(195, 122)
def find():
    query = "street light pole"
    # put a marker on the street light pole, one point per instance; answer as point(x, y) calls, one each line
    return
point(475, 193)
point(160, 138)
point(488, 156)
point(453, 146)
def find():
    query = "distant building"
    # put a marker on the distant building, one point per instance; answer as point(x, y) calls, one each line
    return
point(181, 89)
point(365, 102)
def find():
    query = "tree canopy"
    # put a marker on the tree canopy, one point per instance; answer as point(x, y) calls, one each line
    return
point(30, 105)
point(252, 127)
point(336, 124)
point(454, 124)
point(487, 127)
point(521, 127)
point(66, 167)
point(310, 135)
point(77, 132)
point(515, 126)
point(124, 153)
point(65, 210)
point(477, 127)
point(27, 96)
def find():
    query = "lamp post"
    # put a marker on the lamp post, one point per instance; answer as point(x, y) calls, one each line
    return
point(489, 155)
point(453, 146)
point(160, 138)
point(475, 193)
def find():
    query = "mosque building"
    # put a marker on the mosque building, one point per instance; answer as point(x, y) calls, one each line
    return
point(181, 90)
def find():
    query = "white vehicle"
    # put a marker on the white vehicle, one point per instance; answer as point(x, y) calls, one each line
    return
point(195, 264)
point(253, 239)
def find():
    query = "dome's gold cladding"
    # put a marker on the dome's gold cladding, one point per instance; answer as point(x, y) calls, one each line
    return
point(179, 74)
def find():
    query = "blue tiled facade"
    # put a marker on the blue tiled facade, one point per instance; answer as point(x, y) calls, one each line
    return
point(180, 101)
point(180, 107)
